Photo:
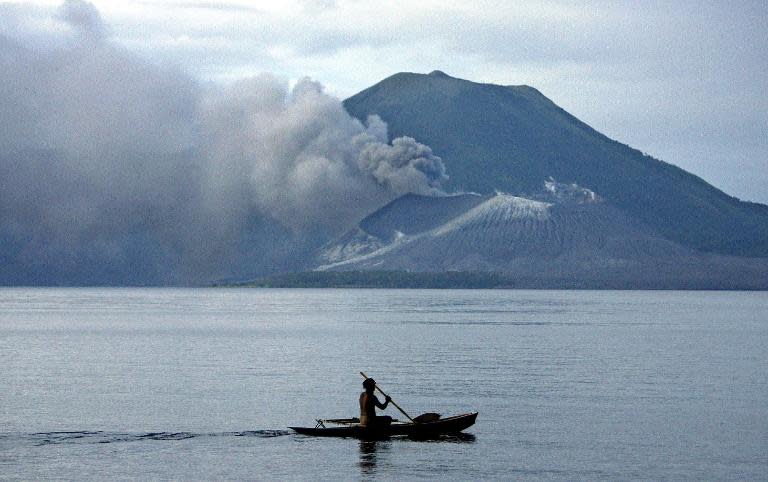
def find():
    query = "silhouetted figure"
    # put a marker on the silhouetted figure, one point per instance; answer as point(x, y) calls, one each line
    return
point(368, 404)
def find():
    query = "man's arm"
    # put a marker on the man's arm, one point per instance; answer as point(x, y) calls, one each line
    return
point(382, 405)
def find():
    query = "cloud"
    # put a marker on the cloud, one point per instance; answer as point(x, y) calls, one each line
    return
point(648, 76)
point(116, 170)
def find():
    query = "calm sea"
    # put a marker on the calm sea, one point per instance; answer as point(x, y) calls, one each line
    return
point(202, 383)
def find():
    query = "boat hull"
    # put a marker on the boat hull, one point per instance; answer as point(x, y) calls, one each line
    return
point(442, 426)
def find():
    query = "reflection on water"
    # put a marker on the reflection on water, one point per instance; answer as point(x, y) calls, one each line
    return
point(456, 438)
point(370, 450)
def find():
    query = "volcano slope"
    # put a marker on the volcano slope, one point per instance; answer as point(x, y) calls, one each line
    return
point(547, 242)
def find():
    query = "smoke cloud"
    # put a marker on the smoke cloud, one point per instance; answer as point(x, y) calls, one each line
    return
point(114, 170)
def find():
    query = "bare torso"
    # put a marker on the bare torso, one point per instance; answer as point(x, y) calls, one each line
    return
point(368, 404)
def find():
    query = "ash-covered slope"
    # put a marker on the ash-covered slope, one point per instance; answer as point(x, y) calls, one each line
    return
point(551, 242)
point(512, 138)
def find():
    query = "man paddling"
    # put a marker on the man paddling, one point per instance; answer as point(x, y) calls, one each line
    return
point(368, 404)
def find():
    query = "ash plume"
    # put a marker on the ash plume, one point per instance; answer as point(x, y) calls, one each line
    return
point(114, 170)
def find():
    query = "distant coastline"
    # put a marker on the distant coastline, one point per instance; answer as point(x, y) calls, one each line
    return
point(466, 280)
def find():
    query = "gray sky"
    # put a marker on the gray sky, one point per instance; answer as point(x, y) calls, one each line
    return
point(682, 81)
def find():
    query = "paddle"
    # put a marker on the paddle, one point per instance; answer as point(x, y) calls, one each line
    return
point(390, 399)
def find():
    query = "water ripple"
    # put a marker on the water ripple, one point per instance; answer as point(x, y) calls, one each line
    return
point(100, 437)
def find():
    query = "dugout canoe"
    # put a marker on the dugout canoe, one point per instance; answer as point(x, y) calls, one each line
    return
point(347, 428)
